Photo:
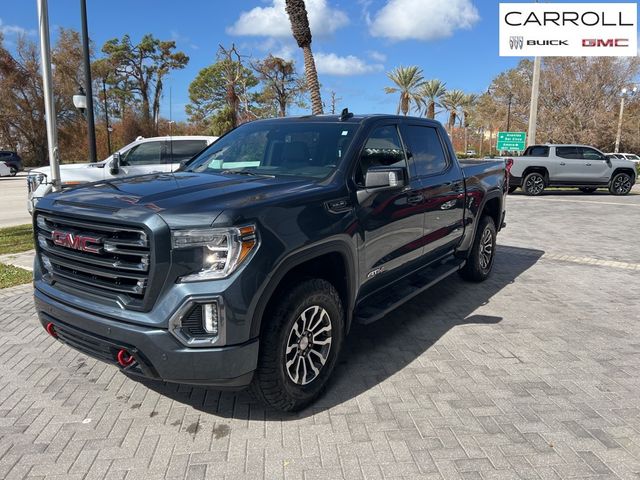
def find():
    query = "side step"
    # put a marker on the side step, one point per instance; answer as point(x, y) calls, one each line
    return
point(383, 301)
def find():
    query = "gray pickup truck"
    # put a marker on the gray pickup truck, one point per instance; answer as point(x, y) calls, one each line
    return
point(248, 266)
point(578, 166)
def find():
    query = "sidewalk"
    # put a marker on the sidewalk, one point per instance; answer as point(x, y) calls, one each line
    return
point(22, 259)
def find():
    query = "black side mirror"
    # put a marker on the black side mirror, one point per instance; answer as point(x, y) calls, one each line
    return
point(385, 178)
point(115, 164)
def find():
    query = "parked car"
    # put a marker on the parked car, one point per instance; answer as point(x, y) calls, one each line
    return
point(144, 155)
point(5, 171)
point(633, 157)
point(12, 160)
point(249, 266)
point(581, 166)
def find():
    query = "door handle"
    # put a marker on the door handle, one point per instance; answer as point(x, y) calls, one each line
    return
point(562, 163)
point(588, 164)
point(415, 198)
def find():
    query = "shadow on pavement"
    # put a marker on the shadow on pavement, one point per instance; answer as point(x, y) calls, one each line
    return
point(375, 352)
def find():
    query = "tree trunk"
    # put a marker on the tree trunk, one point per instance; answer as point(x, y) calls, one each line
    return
point(432, 110)
point(312, 80)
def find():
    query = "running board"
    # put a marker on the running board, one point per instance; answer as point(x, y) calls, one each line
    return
point(388, 299)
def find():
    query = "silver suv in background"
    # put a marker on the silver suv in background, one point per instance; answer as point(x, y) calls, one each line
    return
point(581, 166)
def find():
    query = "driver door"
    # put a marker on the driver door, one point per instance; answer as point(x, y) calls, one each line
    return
point(597, 167)
point(391, 219)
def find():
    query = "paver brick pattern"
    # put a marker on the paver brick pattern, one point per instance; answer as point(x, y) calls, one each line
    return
point(532, 374)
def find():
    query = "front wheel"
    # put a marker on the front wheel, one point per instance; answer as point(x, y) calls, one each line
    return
point(533, 184)
point(620, 184)
point(299, 346)
point(480, 261)
point(13, 171)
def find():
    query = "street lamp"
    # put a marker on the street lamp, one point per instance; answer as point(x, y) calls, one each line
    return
point(80, 100)
point(625, 92)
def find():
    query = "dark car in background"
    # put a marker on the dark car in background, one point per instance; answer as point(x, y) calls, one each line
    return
point(12, 160)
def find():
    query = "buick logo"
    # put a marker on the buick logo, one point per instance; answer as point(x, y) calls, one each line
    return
point(77, 242)
point(516, 43)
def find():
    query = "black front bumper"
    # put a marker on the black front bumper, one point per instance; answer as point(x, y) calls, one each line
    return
point(158, 355)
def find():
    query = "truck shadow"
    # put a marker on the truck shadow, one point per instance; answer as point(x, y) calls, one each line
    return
point(402, 343)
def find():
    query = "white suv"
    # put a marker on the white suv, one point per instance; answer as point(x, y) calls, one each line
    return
point(144, 155)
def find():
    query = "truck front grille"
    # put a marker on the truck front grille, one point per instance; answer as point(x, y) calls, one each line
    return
point(96, 258)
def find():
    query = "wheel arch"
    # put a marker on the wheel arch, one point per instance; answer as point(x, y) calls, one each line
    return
point(629, 171)
point(536, 169)
point(333, 261)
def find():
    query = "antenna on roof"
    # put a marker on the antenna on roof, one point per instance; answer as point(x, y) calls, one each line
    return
point(345, 115)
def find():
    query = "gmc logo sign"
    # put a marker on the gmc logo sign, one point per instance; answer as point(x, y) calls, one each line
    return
point(601, 42)
point(76, 242)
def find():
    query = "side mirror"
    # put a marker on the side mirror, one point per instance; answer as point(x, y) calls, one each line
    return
point(115, 164)
point(385, 178)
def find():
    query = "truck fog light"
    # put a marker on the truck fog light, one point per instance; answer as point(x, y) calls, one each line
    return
point(210, 318)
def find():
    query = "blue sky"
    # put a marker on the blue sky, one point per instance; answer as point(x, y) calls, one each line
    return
point(355, 41)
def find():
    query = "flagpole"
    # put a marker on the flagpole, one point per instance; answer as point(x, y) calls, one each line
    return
point(49, 107)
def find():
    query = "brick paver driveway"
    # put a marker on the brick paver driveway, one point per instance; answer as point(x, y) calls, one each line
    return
point(533, 374)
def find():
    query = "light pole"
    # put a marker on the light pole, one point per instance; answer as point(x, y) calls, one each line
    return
point(509, 113)
point(533, 108)
point(625, 92)
point(87, 82)
point(106, 113)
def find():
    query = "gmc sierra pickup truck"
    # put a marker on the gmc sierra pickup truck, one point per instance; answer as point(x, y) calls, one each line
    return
point(248, 266)
point(579, 166)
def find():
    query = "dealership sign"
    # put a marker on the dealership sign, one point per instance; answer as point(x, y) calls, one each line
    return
point(568, 29)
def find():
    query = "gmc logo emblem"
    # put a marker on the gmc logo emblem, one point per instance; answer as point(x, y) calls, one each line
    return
point(76, 242)
point(601, 42)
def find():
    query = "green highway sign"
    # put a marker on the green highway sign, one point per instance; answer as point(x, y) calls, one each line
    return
point(511, 141)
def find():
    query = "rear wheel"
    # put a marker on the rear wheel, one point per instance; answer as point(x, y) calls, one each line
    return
point(620, 184)
point(13, 171)
point(299, 347)
point(533, 184)
point(480, 261)
point(588, 189)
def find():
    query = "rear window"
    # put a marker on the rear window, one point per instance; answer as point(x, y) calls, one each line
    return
point(537, 151)
point(179, 150)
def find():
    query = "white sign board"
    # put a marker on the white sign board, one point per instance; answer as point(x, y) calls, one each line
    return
point(568, 29)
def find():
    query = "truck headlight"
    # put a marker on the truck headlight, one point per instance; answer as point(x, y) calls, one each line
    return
point(222, 250)
point(34, 180)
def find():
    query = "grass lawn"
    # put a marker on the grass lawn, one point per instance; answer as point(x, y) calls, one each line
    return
point(16, 239)
point(11, 276)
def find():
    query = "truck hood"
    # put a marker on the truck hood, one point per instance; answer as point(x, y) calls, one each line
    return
point(182, 199)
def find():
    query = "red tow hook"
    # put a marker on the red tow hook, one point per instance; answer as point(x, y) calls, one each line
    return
point(124, 358)
point(51, 330)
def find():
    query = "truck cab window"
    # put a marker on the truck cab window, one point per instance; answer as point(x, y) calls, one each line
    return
point(382, 148)
point(425, 149)
point(143, 154)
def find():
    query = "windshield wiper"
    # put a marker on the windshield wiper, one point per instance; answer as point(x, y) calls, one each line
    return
point(246, 172)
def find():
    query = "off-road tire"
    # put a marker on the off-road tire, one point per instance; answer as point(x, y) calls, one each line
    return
point(533, 184)
point(475, 270)
point(621, 184)
point(271, 383)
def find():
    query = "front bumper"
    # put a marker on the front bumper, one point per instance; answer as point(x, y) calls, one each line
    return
point(157, 353)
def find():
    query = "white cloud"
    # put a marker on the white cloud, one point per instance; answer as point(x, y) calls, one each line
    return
point(14, 30)
point(377, 56)
point(422, 19)
point(272, 21)
point(332, 64)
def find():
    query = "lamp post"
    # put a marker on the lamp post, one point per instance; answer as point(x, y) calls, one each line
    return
point(80, 100)
point(625, 92)
point(106, 113)
point(509, 113)
point(91, 128)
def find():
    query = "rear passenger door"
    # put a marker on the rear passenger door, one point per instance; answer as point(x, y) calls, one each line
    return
point(439, 182)
point(570, 165)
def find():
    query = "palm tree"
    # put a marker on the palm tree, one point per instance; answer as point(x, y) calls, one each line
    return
point(431, 93)
point(408, 81)
point(468, 103)
point(302, 33)
point(452, 101)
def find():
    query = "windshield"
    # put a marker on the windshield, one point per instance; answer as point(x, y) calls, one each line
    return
point(311, 149)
